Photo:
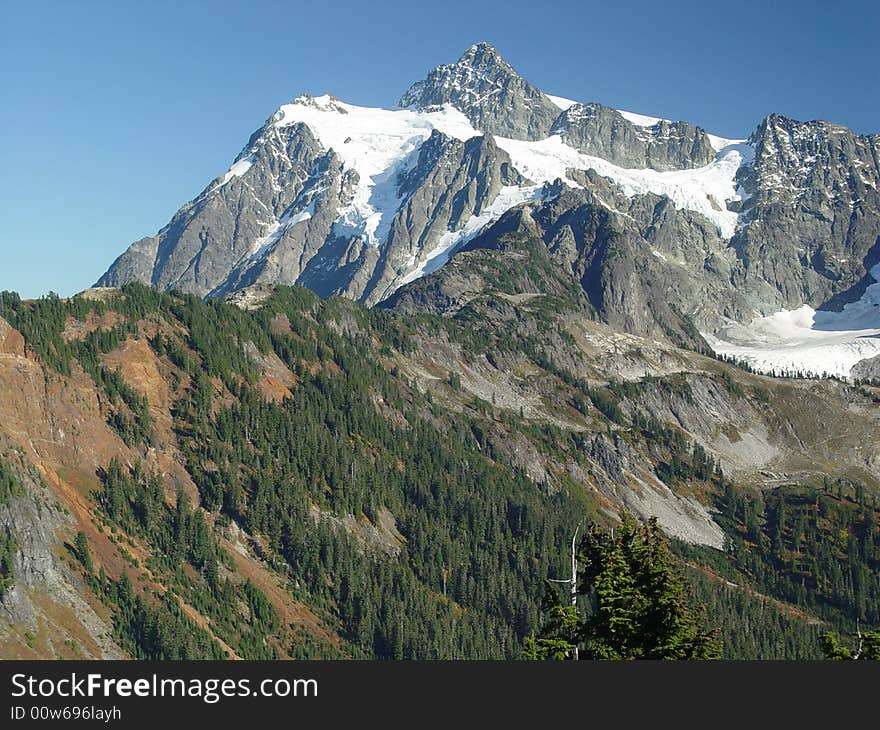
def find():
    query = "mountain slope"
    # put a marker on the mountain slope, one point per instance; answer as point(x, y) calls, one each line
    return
point(303, 478)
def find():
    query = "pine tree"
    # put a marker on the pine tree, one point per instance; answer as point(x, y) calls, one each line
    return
point(638, 605)
point(868, 647)
point(81, 546)
point(559, 634)
point(7, 561)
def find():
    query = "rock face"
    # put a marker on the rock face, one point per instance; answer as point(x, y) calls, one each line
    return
point(811, 218)
point(277, 218)
point(209, 237)
point(11, 341)
point(645, 266)
point(602, 132)
point(868, 369)
point(46, 596)
point(486, 89)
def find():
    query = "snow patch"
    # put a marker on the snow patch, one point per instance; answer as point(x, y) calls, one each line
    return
point(237, 169)
point(561, 101)
point(719, 143)
point(507, 198)
point(704, 190)
point(375, 143)
point(806, 341)
point(640, 120)
point(264, 243)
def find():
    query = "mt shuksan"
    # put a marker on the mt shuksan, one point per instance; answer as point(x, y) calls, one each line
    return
point(707, 231)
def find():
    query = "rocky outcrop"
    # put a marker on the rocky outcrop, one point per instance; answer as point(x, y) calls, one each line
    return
point(136, 263)
point(451, 182)
point(811, 218)
point(602, 132)
point(629, 480)
point(11, 341)
point(47, 600)
point(218, 231)
point(868, 369)
point(486, 89)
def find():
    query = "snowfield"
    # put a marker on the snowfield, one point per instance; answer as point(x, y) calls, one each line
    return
point(806, 341)
point(561, 101)
point(704, 190)
point(640, 120)
point(237, 169)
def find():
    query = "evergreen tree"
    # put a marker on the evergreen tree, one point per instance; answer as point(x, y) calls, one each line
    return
point(637, 603)
point(81, 546)
point(559, 634)
point(867, 648)
point(7, 558)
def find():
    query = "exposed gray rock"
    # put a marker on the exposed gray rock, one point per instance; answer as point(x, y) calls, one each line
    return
point(216, 233)
point(136, 263)
point(39, 530)
point(625, 476)
point(301, 232)
point(602, 132)
point(868, 369)
point(486, 89)
point(812, 217)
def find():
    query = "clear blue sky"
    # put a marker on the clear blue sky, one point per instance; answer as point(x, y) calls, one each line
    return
point(113, 114)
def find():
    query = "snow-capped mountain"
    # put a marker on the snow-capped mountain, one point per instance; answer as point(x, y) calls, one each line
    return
point(360, 201)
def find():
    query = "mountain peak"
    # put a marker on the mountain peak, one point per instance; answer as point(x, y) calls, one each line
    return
point(481, 46)
point(448, 79)
point(483, 53)
point(489, 92)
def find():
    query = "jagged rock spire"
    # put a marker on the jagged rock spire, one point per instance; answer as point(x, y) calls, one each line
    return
point(489, 92)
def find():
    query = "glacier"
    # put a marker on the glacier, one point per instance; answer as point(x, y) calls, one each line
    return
point(379, 144)
point(805, 341)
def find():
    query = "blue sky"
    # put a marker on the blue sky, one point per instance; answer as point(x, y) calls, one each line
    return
point(113, 114)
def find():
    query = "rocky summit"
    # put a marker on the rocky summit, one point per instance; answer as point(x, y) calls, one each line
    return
point(760, 247)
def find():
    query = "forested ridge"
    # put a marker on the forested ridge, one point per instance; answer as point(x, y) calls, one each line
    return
point(463, 538)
